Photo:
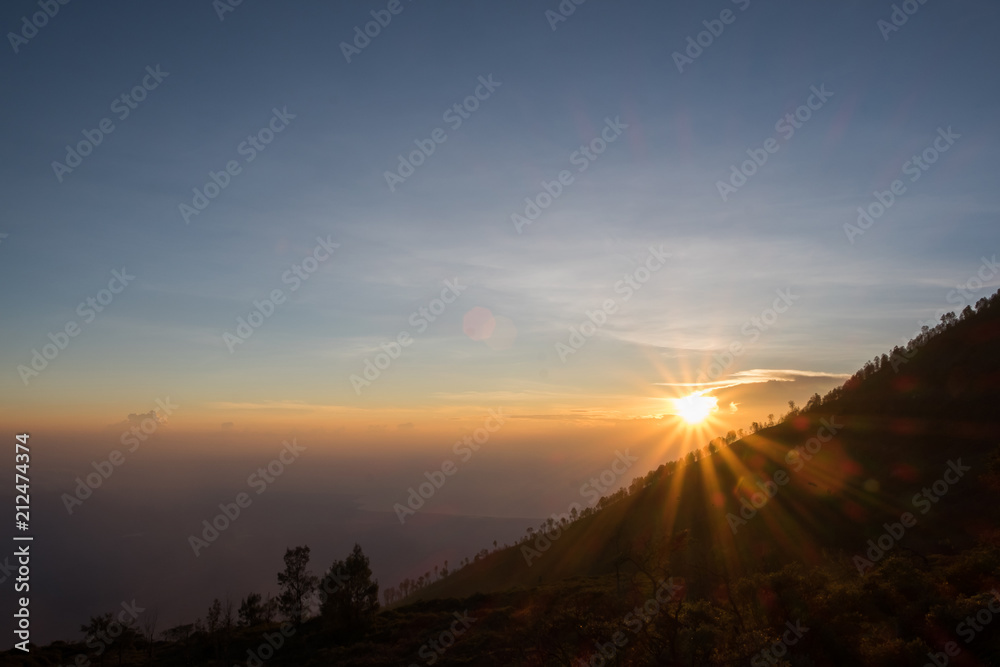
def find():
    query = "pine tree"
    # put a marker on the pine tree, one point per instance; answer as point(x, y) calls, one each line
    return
point(349, 609)
point(297, 585)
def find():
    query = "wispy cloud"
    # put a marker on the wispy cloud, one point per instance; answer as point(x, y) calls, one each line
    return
point(756, 376)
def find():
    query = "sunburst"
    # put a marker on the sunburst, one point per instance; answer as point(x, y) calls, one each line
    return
point(695, 408)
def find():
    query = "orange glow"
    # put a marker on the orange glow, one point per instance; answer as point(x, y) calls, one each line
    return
point(695, 408)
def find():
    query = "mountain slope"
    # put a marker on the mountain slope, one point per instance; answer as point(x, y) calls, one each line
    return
point(867, 450)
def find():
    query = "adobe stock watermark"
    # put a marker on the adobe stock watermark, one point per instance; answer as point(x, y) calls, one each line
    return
point(260, 481)
point(964, 294)
point(264, 308)
point(795, 459)
point(272, 642)
point(126, 618)
point(637, 619)
point(878, 547)
point(914, 168)
point(566, 8)
point(967, 629)
point(103, 637)
point(581, 158)
point(249, 148)
point(751, 329)
point(776, 651)
point(591, 489)
point(713, 30)
point(960, 296)
point(142, 428)
point(223, 7)
point(785, 127)
point(454, 115)
point(627, 287)
point(605, 481)
point(87, 310)
point(38, 20)
point(432, 651)
point(122, 106)
point(372, 29)
point(465, 448)
point(7, 569)
point(898, 17)
point(420, 319)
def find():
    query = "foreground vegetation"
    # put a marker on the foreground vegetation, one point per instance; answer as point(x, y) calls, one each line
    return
point(860, 529)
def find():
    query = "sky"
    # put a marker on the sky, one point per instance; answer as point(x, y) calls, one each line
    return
point(565, 216)
point(655, 243)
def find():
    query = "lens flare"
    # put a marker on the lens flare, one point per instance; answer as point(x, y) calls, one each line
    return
point(695, 408)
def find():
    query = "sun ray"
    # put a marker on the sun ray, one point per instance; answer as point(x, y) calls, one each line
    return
point(695, 408)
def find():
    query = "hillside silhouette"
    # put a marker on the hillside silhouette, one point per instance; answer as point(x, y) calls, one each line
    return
point(861, 528)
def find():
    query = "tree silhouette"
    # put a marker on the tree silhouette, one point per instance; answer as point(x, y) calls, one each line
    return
point(349, 609)
point(213, 619)
point(297, 584)
point(251, 610)
point(149, 622)
point(97, 628)
point(269, 609)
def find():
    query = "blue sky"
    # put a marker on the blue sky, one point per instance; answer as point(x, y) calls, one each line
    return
point(323, 176)
point(350, 362)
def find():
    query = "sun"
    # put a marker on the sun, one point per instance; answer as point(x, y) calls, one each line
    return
point(695, 408)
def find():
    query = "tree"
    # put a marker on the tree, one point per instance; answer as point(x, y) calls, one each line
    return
point(269, 609)
point(251, 610)
point(228, 623)
point(179, 635)
point(149, 622)
point(349, 609)
point(213, 619)
point(97, 629)
point(125, 640)
point(297, 584)
point(214, 625)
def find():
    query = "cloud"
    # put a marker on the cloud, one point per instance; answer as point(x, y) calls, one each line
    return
point(404, 427)
point(288, 406)
point(757, 376)
point(559, 417)
point(136, 420)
